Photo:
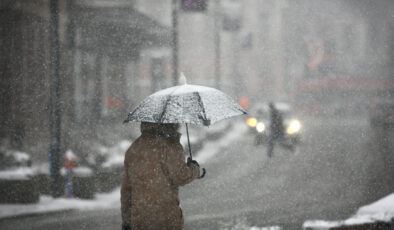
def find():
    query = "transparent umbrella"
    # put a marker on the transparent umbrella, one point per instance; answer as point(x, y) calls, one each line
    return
point(188, 104)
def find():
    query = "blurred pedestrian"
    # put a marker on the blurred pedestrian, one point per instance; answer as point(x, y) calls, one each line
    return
point(277, 129)
point(154, 169)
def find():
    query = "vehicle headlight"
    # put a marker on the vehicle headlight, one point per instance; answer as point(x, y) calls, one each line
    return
point(294, 127)
point(260, 127)
point(252, 122)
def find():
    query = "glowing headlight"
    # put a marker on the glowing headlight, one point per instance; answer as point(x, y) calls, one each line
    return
point(252, 122)
point(260, 127)
point(294, 127)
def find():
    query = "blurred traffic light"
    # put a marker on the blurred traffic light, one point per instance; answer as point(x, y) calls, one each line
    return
point(244, 102)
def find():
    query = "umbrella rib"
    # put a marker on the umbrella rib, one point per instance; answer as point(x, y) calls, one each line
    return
point(202, 106)
point(165, 106)
point(151, 106)
point(238, 108)
point(131, 114)
point(165, 109)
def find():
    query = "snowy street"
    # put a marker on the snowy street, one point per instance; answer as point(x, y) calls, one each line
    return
point(335, 170)
point(286, 107)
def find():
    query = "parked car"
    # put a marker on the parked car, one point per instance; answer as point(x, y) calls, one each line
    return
point(17, 181)
point(259, 123)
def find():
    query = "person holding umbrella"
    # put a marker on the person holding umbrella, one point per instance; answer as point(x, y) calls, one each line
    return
point(154, 169)
point(155, 165)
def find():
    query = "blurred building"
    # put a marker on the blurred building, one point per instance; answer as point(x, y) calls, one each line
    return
point(102, 70)
point(346, 59)
point(114, 53)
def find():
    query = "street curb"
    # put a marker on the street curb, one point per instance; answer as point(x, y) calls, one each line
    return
point(378, 225)
point(36, 214)
point(196, 147)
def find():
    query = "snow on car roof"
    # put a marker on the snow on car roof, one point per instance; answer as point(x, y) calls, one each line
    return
point(278, 105)
point(282, 106)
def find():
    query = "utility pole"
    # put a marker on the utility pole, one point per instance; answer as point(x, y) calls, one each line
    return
point(235, 70)
point(55, 113)
point(175, 41)
point(276, 39)
point(217, 29)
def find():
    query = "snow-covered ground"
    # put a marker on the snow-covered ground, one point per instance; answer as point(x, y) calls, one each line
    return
point(112, 199)
point(49, 204)
point(381, 210)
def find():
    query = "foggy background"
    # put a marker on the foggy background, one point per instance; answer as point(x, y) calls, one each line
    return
point(327, 58)
point(332, 61)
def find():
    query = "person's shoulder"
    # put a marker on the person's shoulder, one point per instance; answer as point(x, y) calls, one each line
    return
point(135, 144)
point(141, 140)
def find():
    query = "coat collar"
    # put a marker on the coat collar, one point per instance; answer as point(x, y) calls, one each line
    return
point(156, 130)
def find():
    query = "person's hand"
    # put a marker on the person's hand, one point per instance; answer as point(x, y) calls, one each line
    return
point(190, 161)
point(126, 227)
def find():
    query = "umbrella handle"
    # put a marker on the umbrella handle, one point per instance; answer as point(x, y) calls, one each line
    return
point(188, 142)
point(190, 153)
point(203, 173)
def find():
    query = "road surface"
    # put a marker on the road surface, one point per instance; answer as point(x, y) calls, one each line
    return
point(336, 169)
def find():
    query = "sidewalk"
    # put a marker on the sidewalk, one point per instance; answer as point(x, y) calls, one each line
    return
point(379, 211)
point(48, 204)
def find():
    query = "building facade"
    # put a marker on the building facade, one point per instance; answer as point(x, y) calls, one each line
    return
point(115, 53)
point(102, 71)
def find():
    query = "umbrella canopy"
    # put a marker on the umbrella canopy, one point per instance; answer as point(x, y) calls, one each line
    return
point(191, 104)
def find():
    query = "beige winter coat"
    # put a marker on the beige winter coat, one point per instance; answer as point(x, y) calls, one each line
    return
point(154, 169)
